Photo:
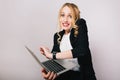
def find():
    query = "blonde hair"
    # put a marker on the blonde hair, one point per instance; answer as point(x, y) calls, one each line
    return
point(75, 16)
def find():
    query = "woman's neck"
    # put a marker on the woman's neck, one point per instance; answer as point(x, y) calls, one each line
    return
point(67, 32)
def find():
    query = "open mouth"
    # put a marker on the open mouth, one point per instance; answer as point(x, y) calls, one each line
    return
point(65, 24)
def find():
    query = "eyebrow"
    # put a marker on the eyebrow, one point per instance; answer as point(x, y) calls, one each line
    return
point(64, 13)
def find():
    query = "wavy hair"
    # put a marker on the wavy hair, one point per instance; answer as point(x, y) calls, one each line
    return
point(75, 16)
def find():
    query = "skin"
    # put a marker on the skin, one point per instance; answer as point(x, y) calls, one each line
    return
point(65, 23)
point(66, 19)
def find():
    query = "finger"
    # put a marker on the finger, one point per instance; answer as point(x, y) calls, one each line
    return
point(55, 75)
point(46, 76)
point(41, 52)
point(41, 49)
point(43, 70)
point(44, 51)
point(46, 48)
point(51, 76)
point(44, 73)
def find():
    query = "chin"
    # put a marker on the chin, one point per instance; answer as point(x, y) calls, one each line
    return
point(66, 29)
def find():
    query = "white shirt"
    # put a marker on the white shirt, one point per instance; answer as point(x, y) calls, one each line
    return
point(66, 45)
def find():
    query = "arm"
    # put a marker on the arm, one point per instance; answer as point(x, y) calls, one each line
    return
point(80, 46)
point(59, 55)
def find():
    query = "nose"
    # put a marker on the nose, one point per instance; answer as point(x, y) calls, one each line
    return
point(65, 18)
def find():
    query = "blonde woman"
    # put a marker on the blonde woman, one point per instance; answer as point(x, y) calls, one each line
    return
point(71, 42)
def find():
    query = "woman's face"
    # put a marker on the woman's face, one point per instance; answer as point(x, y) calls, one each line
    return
point(66, 18)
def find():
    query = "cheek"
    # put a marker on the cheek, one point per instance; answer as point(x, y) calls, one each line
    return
point(60, 21)
point(70, 21)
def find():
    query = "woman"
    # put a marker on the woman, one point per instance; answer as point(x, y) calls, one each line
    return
point(71, 42)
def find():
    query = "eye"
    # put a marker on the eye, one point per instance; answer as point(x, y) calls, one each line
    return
point(62, 15)
point(69, 16)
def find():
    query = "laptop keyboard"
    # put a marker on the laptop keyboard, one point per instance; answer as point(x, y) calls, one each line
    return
point(52, 65)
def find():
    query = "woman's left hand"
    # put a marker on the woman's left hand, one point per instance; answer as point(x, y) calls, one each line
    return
point(46, 52)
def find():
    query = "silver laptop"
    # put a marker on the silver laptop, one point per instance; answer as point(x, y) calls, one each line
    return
point(57, 66)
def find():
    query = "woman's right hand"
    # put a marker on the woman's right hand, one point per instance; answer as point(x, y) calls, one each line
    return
point(46, 52)
point(49, 75)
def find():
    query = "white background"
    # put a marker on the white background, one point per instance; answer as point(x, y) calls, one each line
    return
point(34, 22)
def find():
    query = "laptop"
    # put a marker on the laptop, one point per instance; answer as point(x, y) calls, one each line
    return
point(57, 66)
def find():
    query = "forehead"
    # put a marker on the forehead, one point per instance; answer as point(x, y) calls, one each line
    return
point(66, 9)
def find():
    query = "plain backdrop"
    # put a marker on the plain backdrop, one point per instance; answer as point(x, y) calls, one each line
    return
point(34, 22)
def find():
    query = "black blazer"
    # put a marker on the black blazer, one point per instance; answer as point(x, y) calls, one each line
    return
point(80, 49)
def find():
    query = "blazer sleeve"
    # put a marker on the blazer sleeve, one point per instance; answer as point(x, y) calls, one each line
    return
point(81, 46)
point(55, 44)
